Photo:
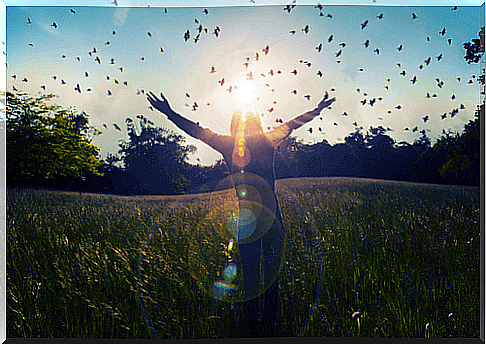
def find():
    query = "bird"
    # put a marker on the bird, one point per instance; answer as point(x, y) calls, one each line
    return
point(216, 31)
point(116, 126)
point(294, 92)
point(319, 73)
point(329, 15)
point(366, 43)
point(116, 81)
point(294, 72)
point(377, 51)
point(319, 47)
point(449, 41)
point(142, 58)
point(453, 97)
point(266, 50)
point(427, 61)
point(439, 57)
point(398, 107)
point(104, 125)
point(462, 107)
point(25, 80)
point(444, 115)
point(306, 29)
point(292, 32)
point(403, 73)
point(414, 16)
point(421, 67)
point(205, 11)
point(307, 96)
point(331, 37)
point(339, 53)
point(43, 87)
point(72, 11)
point(54, 25)
point(310, 130)
point(428, 39)
point(213, 70)
point(428, 95)
point(372, 101)
point(63, 82)
point(31, 44)
point(221, 82)
point(415, 129)
point(459, 79)
point(442, 32)
point(400, 47)
point(97, 59)
point(149, 34)
point(107, 77)
point(112, 61)
point(364, 24)
point(363, 102)
point(109, 92)
point(63, 56)
point(414, 80)
point(113, 32)
point(28, 21)
point(380, 16)
point(77, 88)
point(289, 8)
point(194, 106)
point(342, 44)
point(187, 35)
point(361, 70)
point(454, 8)
point(425, 118)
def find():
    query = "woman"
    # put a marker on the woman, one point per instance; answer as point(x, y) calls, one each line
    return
point(249, 156)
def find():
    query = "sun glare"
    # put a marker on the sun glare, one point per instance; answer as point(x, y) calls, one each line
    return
point(246, 93)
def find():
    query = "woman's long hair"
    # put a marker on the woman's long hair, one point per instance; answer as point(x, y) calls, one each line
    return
point(251, 125)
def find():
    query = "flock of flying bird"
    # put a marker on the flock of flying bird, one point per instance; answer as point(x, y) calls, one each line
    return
point(200, 31)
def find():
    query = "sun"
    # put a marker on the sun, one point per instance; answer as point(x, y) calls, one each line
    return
point(246, 93)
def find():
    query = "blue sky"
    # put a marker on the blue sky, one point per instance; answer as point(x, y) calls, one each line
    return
point(247, 28)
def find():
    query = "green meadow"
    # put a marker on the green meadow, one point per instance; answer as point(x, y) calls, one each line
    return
point(362, 258)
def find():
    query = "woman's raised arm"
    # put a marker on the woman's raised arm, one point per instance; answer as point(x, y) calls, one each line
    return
point(284, 130)
point(191, 128)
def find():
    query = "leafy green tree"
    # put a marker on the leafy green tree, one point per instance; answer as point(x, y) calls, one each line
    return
point(45, 141)
point(156, 158)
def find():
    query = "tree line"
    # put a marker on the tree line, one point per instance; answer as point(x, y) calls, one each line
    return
point(48, 146)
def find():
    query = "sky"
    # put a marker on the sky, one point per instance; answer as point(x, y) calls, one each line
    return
point(182, 71)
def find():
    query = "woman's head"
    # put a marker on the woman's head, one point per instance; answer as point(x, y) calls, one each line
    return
point(247, 125)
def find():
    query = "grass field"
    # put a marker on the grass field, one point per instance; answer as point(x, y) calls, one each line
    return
point(403, 255)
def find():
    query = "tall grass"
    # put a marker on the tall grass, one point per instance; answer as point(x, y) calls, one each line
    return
point(402, 258)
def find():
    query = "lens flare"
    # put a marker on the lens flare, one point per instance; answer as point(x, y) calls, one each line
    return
point(229, 272)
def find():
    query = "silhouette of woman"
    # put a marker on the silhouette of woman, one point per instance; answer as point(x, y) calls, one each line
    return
point(249, 156)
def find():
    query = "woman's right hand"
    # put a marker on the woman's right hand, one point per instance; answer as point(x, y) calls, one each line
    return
point(161, 105)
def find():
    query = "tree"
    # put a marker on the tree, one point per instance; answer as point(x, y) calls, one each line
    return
point(46, 141)
point(462, 151)
point(156, 158)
